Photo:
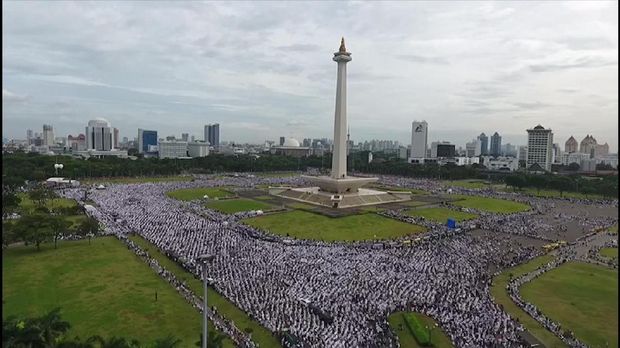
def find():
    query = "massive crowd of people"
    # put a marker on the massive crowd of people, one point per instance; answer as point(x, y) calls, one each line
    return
point(332, 294)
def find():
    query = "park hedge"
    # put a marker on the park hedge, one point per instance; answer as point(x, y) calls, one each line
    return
point(417, 329)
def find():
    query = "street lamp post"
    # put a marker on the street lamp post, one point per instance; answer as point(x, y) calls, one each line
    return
point(204, 259)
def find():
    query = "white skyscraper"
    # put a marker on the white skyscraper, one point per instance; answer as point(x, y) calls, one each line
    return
point(99, 135)
point(419, 139)
point(539, 147)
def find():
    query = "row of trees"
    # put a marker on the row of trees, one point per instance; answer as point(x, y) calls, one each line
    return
point(603, 186)
point(49, 331)
point(42, 223)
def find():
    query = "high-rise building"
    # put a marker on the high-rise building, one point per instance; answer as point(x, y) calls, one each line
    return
point(522, 155)
point(116, 138)
point(601, 150)
point(48, 135)
point(146, 138)
point(419, 139)
point(484, 144)
point(539, 147)
point(588, 145)
point(172, 149)
point(571, 145)
point(184, 136)
point(282, 140)
point(442, 149)
point(509, 150)
point(557, 153)
point(192, 138)
point(77, 143)
point(212, 134)
point(473, 148)
point(198, 149)
point(29, 136)
point(99, 135)
point(496, 144)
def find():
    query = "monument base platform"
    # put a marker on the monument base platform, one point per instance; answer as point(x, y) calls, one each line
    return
point(338, 186)
point(363, 197)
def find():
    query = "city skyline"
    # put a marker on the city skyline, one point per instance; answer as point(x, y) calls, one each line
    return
point(462, 77)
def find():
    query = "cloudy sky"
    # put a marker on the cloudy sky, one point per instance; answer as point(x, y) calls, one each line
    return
point(264, 70)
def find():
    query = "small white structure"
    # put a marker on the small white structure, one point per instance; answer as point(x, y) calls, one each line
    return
point(100, 187)
point(58, 181)
point(198, 149)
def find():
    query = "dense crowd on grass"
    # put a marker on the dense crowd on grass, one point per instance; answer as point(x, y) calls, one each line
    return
point(324, 293)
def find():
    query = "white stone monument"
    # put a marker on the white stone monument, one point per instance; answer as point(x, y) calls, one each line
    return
point(340, 190)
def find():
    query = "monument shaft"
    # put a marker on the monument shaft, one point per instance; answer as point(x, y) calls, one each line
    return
point(339, 159)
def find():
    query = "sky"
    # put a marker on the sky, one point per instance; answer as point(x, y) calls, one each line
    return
point(264, 69)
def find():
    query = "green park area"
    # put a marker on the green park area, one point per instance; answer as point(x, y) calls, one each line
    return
point(411, 328)
point(440, 215)
point(227, 309)
point(230, 206)
point(306, 225)
point(191, 194)
point(101, 288)
point(27, 204)
point(582, 298)
point(493, 205)
point(500, 296)
point(611, 253)
point(555, 193)
point(135, 179)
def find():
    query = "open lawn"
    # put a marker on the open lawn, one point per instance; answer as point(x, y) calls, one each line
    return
point(230, 206)
point(102, 289)
point(582, 297)
point(441, 215)
point(190, 194)
point(492, 205)
point(27, 204)
point(226, 308)
point(500, 295)
point(306, 225)
point(406, 339)
point(554, 193)
point(263, 198)
point(472, 184)
point(611, 253)
point(299, 205)
point(135, 180)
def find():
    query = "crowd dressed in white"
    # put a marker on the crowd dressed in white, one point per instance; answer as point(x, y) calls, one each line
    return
point(337, 294)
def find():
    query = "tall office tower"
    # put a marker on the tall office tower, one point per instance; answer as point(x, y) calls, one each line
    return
point(99, 135)
point(125, 140)
point(419, 139)
point(282, 140)
point(484, 144)
point(184, 136)
point(146, 138)
point(496, 144)
point(212, 134)
point(48, 135)
point(192, 138)
point(522, 154)
point(473, 148)
point(571, 145)
point(29, 136)
point(116, 138)
point(588, 145)
point(539, 147)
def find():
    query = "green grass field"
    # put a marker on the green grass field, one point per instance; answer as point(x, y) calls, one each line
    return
point(553, 193)
point(197, 193)
point(581, 297)
point(135, 180)
point(614, 229)
point(406, 339)
point(230, 206)
point(299, 205)
point(441, 215)
point(226, 308)
point(492, 205)
point(102, 289)
point(611, 253)
point(499, 293)
point(27, 204)
point(472, 183)
point(263, 198)
point(306, 225)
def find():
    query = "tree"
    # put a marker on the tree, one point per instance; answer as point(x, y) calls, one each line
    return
point(10, 202)
point(215, 340)
point(52, 326)
point(538, 181)
point(89, 228)
point(34, 229)
point(573, 167)
point(58, 224)
point(40, 194)
point(44, 331)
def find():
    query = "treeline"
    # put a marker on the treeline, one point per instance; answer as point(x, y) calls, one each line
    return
point(604, 186)
point(50, 331)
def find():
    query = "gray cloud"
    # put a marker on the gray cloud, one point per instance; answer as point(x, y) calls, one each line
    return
point(265, 70)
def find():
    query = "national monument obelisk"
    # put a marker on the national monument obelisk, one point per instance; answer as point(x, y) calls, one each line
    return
point(340, 190)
